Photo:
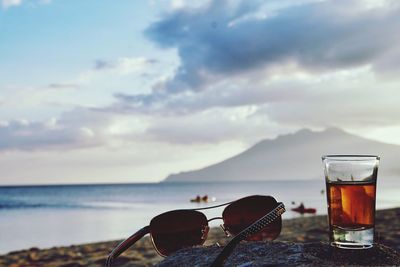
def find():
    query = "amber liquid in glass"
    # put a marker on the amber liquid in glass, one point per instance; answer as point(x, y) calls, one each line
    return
point(351, 206)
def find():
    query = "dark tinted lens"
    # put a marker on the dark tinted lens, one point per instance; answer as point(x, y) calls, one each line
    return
point(244, 212)
point(178, 229)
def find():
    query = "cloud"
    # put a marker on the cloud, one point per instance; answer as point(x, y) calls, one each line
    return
point(215, 41)
point(216, 125)
point(353, 101)
point(63, 86)
point(74, 129)
point(124, 65)
point(246, 71)
point(290, 60)
point(250, 107)
point(10, 3)
point(26, 135)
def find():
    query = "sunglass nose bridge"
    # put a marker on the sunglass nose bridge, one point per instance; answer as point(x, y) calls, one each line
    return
point(225, 231)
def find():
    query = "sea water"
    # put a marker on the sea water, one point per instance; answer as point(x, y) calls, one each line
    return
point(47, 216)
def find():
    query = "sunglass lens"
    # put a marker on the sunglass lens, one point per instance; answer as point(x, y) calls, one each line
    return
point(178, 229)
point(244, 212)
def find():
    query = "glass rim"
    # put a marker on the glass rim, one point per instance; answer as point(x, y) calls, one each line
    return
point(350, 157)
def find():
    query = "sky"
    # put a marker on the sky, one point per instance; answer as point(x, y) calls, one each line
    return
point(132, 91)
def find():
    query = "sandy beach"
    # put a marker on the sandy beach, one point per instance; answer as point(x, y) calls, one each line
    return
point(304, 229)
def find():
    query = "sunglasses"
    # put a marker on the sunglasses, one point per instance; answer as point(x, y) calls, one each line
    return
point(252, 218)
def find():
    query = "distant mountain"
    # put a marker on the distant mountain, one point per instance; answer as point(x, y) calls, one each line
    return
point(294, 156)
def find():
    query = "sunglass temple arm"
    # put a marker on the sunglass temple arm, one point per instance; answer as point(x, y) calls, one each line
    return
point(124, 245)
point(252, 229)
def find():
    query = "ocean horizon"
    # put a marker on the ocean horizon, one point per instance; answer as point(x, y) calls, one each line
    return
point(44, 216)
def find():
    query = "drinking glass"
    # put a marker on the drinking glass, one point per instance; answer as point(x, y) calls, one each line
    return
point(351, 193)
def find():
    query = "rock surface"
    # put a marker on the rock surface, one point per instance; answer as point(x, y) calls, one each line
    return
point(286, 254)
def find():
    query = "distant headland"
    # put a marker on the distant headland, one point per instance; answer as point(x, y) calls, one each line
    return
point(293, 156)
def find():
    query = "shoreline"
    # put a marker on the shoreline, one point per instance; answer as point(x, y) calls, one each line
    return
point(302, 229)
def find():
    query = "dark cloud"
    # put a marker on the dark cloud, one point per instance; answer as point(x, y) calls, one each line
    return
point(103, 64)
point(215, 41)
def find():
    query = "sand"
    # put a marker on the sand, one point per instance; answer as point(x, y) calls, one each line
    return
point(303, 229)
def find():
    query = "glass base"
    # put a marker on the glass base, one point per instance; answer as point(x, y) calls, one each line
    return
point(352, 238)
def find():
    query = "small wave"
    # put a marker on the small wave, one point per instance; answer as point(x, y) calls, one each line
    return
point(110, 205)
point(27, 205)
point(21, 205)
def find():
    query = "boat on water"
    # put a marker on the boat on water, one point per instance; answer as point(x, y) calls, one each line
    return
point(205, 198)
point(301, 209)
